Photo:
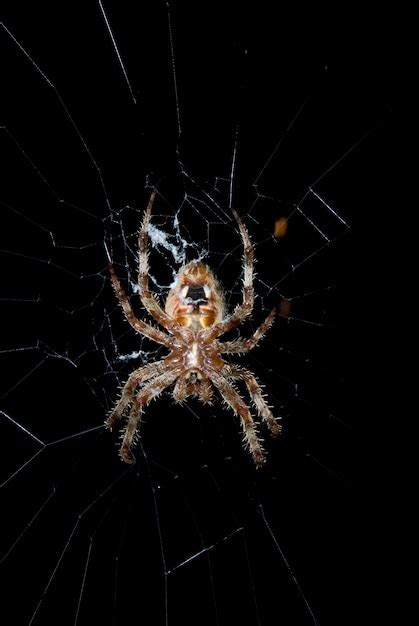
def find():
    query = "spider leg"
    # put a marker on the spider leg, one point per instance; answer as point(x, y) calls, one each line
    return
point(182, 389)
point(238, 405)
point(148, 300)
point(138, 376)
point(244, 309)
point(145, 329)
point(256, 395)
point(244, 345)
point(205, 391)
point(151, 390)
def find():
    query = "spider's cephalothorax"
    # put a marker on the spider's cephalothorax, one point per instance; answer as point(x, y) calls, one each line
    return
point(194, 318)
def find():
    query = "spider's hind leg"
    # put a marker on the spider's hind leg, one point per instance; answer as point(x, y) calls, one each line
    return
point(137, 377)
point(151, 390)
point(257, 397)
point(233, 399)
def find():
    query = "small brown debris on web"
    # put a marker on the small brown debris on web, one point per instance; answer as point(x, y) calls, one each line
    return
point(285, 307)
point(281, 226)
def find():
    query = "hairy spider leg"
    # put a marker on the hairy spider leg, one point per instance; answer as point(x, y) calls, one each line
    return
point(141, 327)
point(256, 395)
point(148, 299)
point(234, 400)
point(205, 391)
point(244, 309)
point(151, 390)
point(244, 345)
point(182, 390)
point(138, 376)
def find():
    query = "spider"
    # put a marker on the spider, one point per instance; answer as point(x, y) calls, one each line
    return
point(194, 317)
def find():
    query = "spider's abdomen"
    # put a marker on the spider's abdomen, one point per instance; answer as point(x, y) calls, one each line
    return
point(195, 300)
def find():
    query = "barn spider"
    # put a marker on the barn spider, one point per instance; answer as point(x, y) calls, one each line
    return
point(194, 317)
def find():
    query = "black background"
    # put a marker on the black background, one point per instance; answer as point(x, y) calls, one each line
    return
point(238, 70)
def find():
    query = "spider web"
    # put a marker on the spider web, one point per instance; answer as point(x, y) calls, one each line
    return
point(101, 107)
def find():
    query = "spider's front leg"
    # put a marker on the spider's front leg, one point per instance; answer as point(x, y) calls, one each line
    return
point(145, 329)
point(244, 309)
point(147, 298)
